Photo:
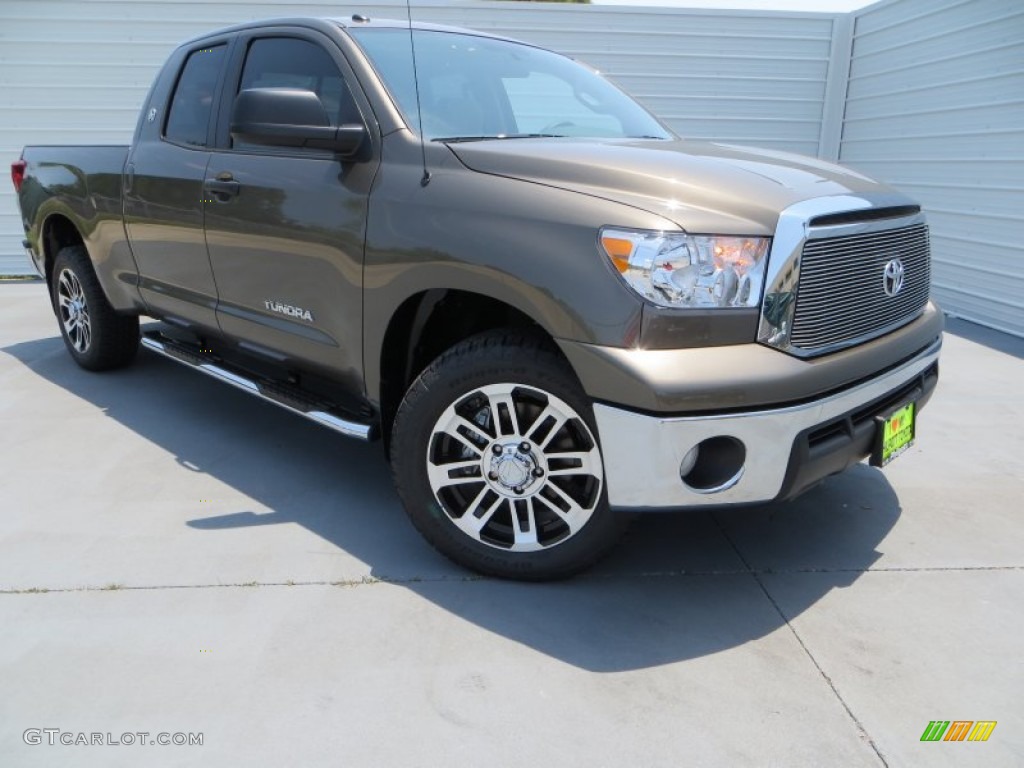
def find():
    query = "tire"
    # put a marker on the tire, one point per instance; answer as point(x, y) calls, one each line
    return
point(97, 337)
point(495, 457)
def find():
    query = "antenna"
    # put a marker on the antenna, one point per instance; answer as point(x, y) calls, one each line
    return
point(419, 109)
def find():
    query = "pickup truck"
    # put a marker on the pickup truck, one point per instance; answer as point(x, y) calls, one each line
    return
point(550, 309)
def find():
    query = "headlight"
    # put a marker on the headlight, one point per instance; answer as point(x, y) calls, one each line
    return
point(674, 269)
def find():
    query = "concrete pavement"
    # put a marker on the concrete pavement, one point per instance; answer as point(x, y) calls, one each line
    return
point(176, 557)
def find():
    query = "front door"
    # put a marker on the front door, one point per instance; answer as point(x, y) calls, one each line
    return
point(286, 236)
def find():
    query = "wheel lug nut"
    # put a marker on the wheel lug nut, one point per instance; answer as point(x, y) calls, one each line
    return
point(518, 490)
point(497, 450)
point(492, 476)
point(538, 472)
point(524, 447)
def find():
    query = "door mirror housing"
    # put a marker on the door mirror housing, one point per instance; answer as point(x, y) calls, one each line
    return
point(291, 117)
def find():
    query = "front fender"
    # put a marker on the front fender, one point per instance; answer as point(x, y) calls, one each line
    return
point(530, 246)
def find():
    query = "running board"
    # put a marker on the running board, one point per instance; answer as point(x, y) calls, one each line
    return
point(290, 398)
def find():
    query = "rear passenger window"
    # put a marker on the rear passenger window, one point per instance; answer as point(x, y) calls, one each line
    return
point(192, 103)
point(287, 62)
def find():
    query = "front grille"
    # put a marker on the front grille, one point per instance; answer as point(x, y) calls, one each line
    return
point(841, 299)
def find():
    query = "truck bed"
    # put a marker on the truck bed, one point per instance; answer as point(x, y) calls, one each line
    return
point(83, 177)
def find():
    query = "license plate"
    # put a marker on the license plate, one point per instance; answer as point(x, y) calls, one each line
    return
point(895, 434)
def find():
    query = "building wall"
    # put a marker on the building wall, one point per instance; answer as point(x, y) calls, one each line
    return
point(935, 107)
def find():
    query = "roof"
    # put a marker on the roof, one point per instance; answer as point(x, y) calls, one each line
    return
point(315, 22)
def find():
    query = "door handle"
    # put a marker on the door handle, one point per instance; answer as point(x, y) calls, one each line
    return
point(222, 189)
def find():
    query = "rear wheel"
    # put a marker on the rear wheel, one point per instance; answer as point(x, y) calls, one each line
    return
point(96, 336)
point(496, 459)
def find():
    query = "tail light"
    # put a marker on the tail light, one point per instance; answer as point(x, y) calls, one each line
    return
point(18, 173)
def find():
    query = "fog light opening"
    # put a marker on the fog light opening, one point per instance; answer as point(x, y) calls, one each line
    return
point(716, 464)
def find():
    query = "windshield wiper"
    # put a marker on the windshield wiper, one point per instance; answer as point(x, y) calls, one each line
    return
point(500, 137)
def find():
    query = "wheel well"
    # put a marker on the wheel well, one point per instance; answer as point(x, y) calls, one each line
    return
point(426, 325)
point(58, 232)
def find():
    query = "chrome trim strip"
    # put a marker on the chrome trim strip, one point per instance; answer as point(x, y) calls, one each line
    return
point(348, 428)
point(230, 378)
point(846, 344)
point(642, 453)
point(864, 227)
point(719, 488)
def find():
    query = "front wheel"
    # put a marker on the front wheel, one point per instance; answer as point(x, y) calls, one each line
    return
point(495, 456)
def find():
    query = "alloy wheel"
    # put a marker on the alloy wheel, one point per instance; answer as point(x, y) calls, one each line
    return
point(514, 467)
point(74, 311)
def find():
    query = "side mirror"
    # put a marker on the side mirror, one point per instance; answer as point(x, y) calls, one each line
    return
point(291, 117)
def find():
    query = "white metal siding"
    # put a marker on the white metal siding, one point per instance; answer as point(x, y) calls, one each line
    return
point(935, 106)
point(76, 71)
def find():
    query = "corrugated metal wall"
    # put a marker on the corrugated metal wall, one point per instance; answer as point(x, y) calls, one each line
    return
point(76, 71)
point(935, 106)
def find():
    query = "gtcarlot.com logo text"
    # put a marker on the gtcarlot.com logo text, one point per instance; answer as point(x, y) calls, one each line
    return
point(55, 736)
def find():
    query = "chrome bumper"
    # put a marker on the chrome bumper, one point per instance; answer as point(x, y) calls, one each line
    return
point(643, 453)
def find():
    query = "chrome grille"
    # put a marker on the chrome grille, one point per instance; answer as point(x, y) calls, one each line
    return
point(841, 299)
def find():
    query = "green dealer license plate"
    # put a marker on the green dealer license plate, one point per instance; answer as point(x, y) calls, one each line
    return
point(895, 434)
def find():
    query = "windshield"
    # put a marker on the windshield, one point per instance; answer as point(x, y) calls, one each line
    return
point(478, 88)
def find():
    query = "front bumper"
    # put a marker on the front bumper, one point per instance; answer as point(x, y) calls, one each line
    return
point(759, 455)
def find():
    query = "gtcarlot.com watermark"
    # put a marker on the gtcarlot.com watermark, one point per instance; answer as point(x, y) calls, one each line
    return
point(56, 737)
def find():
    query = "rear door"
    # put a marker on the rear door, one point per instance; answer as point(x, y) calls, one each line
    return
point(164, 186)
point(286, 243)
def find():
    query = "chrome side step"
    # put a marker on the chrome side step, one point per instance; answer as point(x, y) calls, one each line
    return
point(289, 398)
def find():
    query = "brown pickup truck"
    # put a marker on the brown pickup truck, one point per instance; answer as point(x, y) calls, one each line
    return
point(550, 308)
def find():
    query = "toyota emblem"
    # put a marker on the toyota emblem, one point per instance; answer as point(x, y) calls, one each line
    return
point(892, 277)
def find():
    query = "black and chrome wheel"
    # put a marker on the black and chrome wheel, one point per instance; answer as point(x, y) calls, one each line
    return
point(496, 459)
point(96, 336)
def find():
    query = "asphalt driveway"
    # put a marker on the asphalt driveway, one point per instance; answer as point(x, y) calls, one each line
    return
point(177, 558)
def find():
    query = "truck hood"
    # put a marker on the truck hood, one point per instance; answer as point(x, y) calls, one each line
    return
point(702, 187)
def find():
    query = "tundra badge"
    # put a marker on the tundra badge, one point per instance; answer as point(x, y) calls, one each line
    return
point(288, 309)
